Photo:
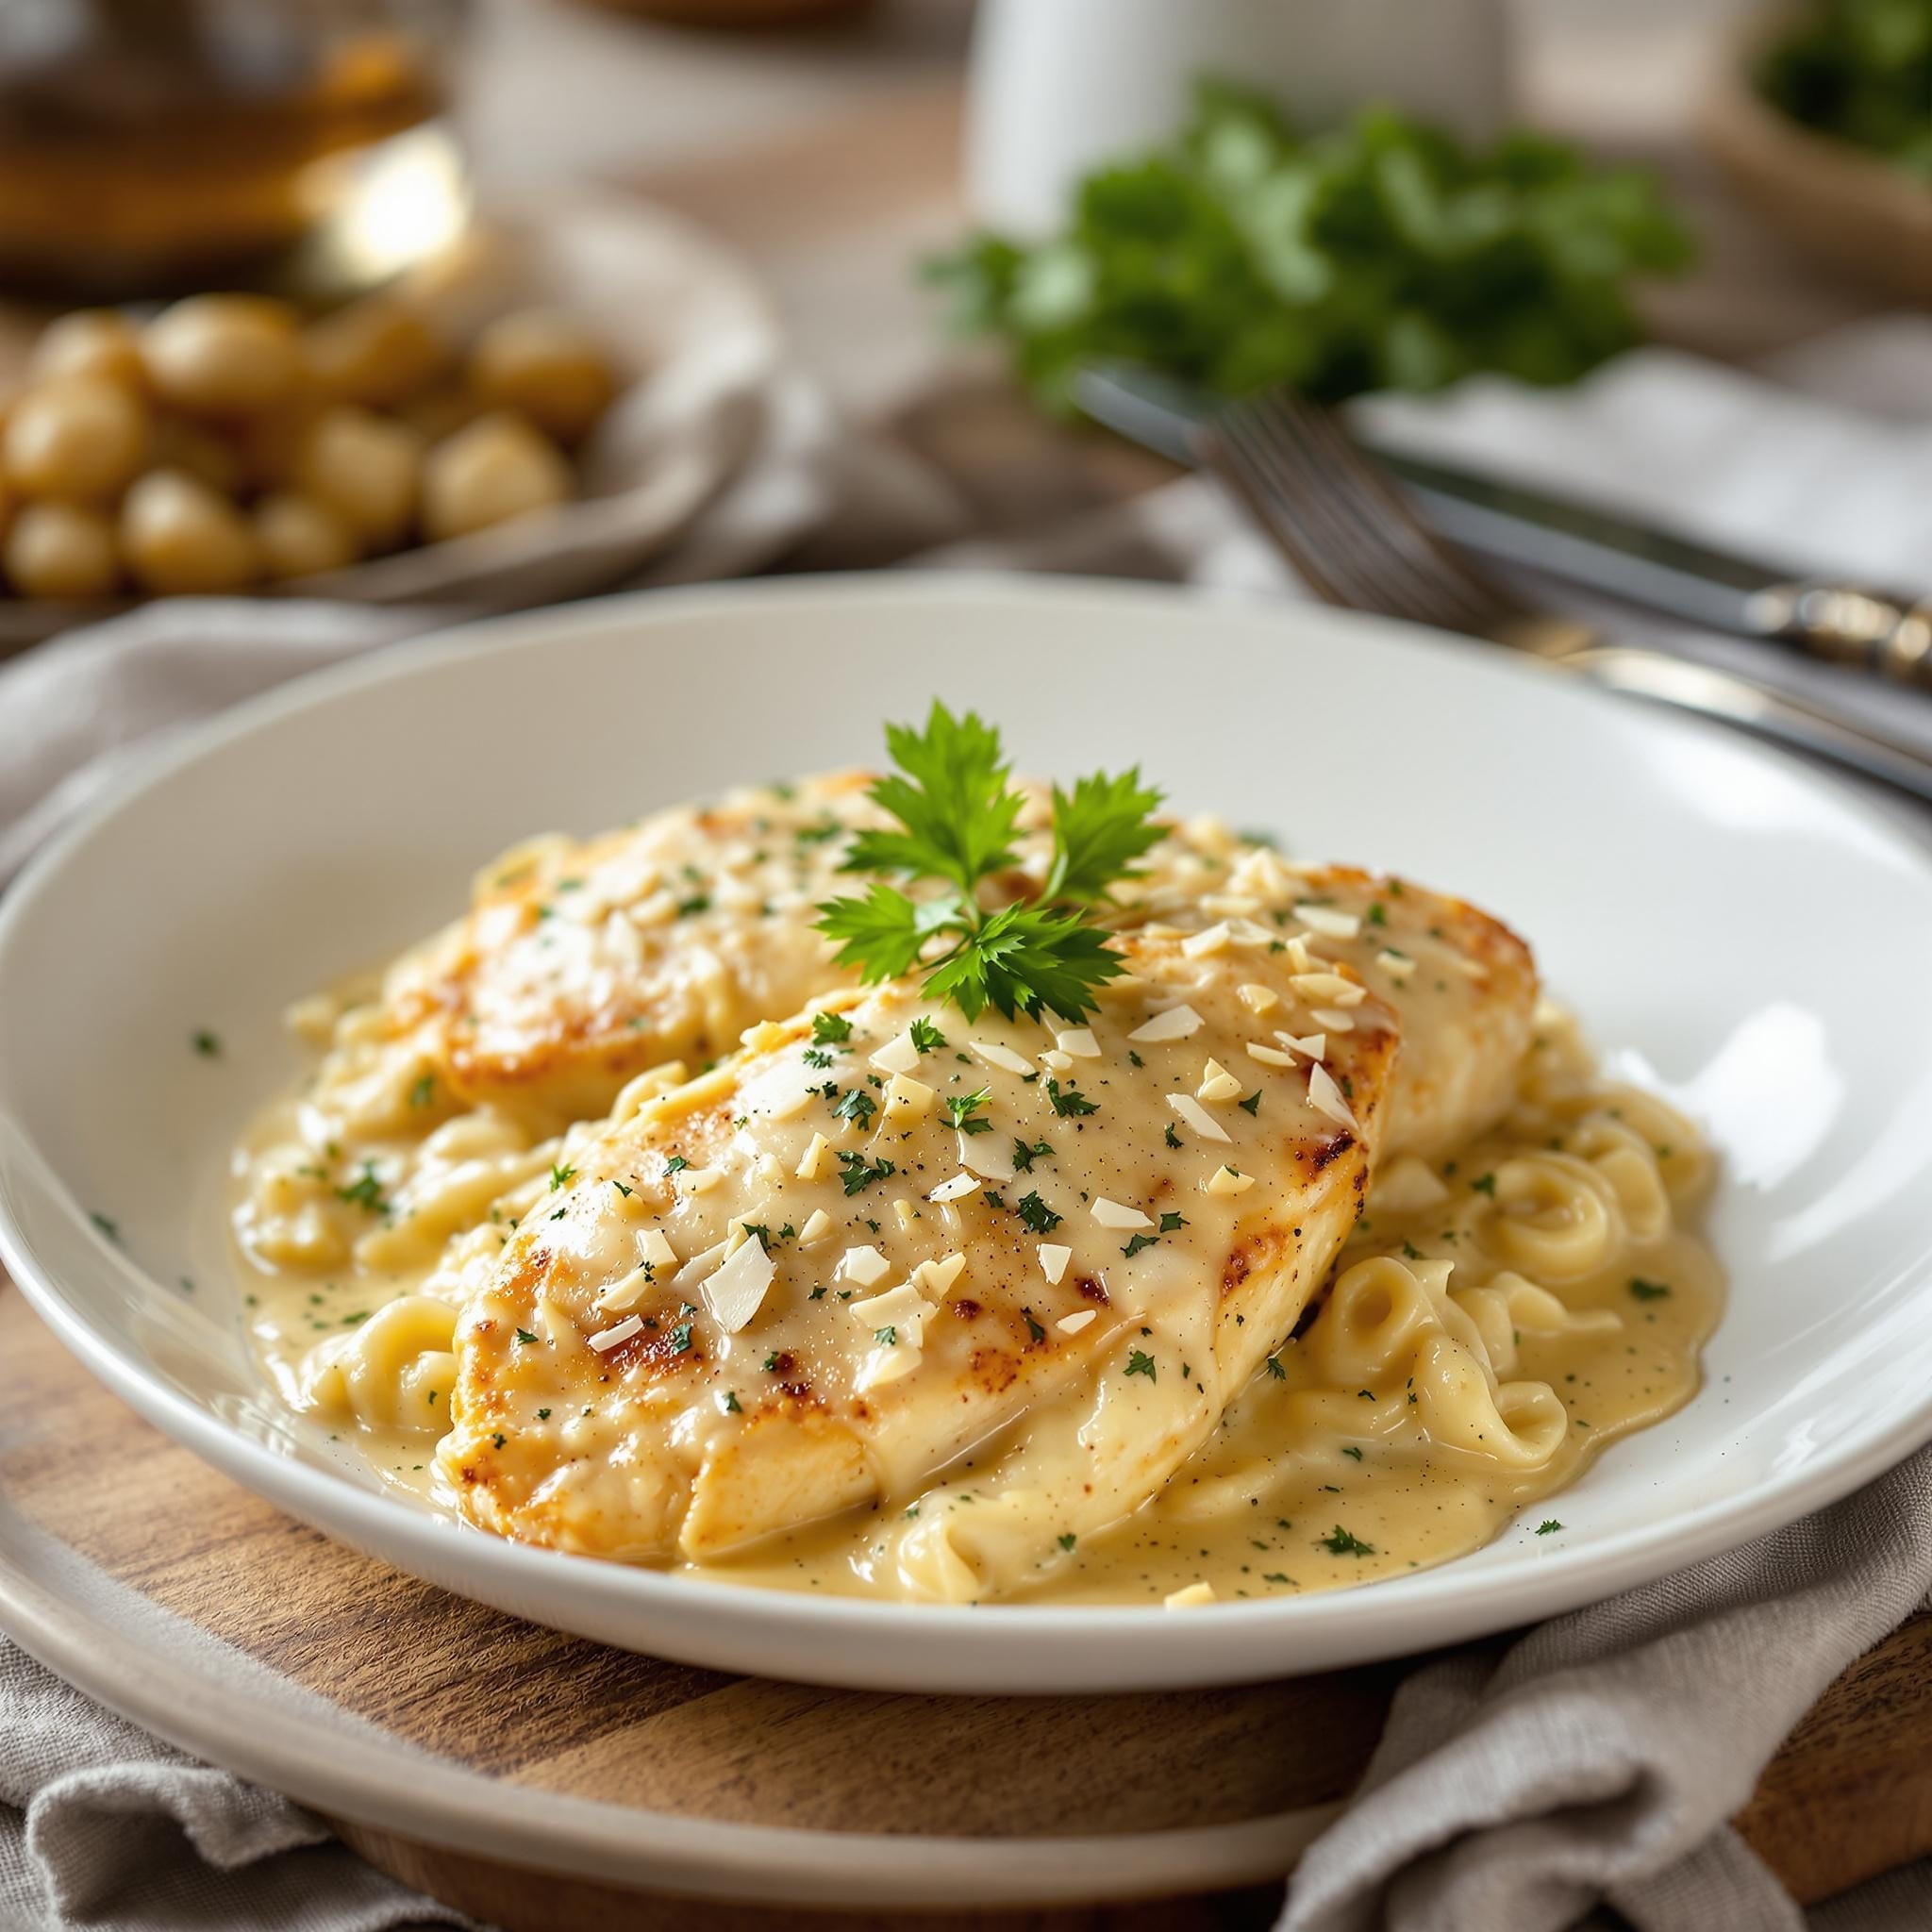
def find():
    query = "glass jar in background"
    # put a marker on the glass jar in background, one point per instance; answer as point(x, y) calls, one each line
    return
point(151, 146)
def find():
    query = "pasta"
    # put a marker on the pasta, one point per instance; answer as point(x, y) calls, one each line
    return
point(1522, 1286)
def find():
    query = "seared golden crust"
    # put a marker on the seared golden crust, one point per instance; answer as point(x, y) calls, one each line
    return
point(1222, 1233)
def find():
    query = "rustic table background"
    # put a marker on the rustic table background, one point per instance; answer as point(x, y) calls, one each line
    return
point(829, 158)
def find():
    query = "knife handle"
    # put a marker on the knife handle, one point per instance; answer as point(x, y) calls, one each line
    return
point(1850, 627)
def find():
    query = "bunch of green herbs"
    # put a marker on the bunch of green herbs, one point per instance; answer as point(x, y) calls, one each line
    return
point(1859, 70)
point(1382, 254)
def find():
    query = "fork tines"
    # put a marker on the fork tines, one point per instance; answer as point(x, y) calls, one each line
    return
point(1341, 519)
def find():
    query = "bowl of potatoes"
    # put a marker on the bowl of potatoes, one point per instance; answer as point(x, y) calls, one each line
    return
point(533, 417)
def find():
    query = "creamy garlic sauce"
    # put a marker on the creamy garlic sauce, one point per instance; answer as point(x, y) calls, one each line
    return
point(1501, 1314)
point(1414, 1417)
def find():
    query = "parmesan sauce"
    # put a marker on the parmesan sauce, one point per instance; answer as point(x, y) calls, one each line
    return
point(1379, 1446)
point(1497, 1320)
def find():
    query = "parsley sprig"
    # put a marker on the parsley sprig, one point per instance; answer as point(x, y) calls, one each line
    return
point(957, 817)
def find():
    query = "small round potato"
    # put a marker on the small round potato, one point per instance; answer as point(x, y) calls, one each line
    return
point(224, 355)
point(497, 468)
point(442, 411)
point(89, 341)
point(375, 351)
point(546, 365)
point(366, 468)
point(180, 538)
point(298, 537)
point(61, 550)
point(179, 444)
point(78, 437)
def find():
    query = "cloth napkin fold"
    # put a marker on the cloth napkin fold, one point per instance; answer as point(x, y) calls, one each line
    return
point(104, 1826)
point(1601, 1755)
point(1523, 1784)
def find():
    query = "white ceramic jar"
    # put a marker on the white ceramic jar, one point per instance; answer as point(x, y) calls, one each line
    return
point(1059, 86)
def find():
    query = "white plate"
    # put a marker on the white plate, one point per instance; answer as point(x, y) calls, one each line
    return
point(1739, 931)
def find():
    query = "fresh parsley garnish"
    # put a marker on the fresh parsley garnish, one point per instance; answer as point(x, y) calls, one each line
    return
point(830, 1029)
point(1025, 1155)
point(927, 1038)
point(957, 817)
point(559, 1175)
point(1648, 1291)
point(1035, 1332)
point(207, 1044)
point(364, 1192)
point(1036, 1215)
point(1140, 1363)
point(1548, 1526)
point(961, 1109)
point(1343, 1544)
point(525, 1337)
point(858, 1107)
point(1136, 1241)
point(859, 1174)
point(1068, 1100)
point(1169, 1222)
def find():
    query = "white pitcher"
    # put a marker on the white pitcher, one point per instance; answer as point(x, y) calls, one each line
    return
point(1059, 86)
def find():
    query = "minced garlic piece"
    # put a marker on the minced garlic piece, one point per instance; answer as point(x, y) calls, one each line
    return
point(1217, 1083)
point(1177, 1023)
point(864, 1265)
point(1326, 921)
point(609, 1338)
point(1004, 1057)
point(906, 1099)
point(1197, 1117)
point(898, 1055)
point(1327, 1097)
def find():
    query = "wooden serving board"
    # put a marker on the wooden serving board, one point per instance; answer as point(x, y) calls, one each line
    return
point(540, 1781)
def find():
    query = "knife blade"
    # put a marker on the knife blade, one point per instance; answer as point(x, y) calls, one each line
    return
point(1591, 548)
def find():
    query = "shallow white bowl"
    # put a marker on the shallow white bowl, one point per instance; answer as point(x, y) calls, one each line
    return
point(1738, 931)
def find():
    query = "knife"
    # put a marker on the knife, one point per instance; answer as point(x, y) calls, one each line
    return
point(1715, 589)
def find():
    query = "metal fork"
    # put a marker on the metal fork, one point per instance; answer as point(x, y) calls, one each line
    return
point(1343, 523)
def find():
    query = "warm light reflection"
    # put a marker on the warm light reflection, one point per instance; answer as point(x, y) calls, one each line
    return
point(409, 200)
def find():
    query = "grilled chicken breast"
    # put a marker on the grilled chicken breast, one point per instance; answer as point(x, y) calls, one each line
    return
point(584, 962)
point(880, 1242)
